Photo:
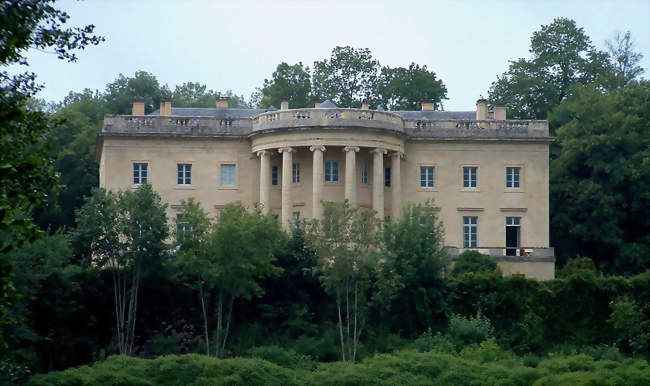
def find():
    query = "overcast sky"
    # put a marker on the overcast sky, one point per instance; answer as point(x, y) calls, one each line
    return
point(237, 44)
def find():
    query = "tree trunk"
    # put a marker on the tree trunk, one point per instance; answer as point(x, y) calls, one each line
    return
point(356, 311)
point(205, 321)
point(219, 324)
point(338, 306)
point(228, 318)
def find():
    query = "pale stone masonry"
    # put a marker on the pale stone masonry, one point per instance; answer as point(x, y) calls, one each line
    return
point(488, 175)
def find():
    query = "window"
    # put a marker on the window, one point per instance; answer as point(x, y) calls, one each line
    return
point(364, 174)
point(331, 171)
point(182, 227)
point(469, 176)
point(296, 218)
point(387, 177)
point(274, 175)
point(513, 235)
point(470, 232)
point(140, 173)
point(512, 177)
point(228, 174)
point(296, 173)
point(185, 174)
point(426, 176)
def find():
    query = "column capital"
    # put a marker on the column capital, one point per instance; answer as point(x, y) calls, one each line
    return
point(397, 154)
point(351, 148)
point(262, 153)
point(286, 150)
point(379, 150)
point(317, 147)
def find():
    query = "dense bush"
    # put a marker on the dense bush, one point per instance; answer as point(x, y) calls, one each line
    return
point(474, 262)
point(282, 357)
point(476, 364)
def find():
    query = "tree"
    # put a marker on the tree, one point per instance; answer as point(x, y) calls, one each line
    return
point(290, 82)
point(624, 60)
point(126, 233)
point(120, 93)
point(25, 167)
point(194, 94)
point(347, 78)
point(562, 56)
point(411, 271)
point(195, 262)
point(344, 240)
point(600, 178)
point(404, 88)
point(474, 262)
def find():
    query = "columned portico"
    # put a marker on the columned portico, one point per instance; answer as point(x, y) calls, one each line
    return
point(317, 181)
point(378, 181)
point(265, 184)
point(287, 204)
point(396, 185)
point(351, 174)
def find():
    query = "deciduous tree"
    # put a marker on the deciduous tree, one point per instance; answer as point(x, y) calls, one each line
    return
point(402, 88)
point(292, 82)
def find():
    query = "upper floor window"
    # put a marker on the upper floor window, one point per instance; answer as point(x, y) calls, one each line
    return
point(364, 174)
point(296, 173)
point(331, 171)
point(470, 231)
point(470, 174)
point(228, 174)
point(184, 174)
point(513, 177)
point(387, 177)
point(140, 173)
point(274, 175)
point(426, 176)
point(182, 227)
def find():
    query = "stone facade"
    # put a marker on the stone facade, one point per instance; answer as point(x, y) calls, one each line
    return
point(489, 176)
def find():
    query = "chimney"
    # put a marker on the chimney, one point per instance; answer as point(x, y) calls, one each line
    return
point(481, 109)
point(222, 102)
point(316, 105)
point(365, 105)
point(166, 107)
point(284, 104)
point(138, 107)
point(428, 105)
point(499, 112)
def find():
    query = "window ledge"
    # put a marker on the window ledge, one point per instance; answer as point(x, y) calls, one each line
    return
point(228, 188)
point(514, 191)
point(471, 190)
point(185, 187)
point(421, 189)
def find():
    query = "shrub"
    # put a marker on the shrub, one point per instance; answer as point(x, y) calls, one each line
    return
point(282, 357)
point(468, 330)
point(474, 262)
point(430, 342)
point(578, 266)
point(630, 329)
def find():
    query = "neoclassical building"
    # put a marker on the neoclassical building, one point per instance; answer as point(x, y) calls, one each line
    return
point(488, 175)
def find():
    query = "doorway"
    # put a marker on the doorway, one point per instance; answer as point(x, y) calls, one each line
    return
point(513, 235)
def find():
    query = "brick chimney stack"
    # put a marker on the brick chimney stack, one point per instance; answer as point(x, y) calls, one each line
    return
point(138, 107)
point(222, 102)
point(481, 109)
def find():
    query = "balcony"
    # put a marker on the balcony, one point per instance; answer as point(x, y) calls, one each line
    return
point(503, 253)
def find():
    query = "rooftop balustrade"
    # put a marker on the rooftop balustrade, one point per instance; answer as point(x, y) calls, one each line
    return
point(297, 119)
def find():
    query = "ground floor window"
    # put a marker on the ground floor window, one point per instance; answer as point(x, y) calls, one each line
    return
point(470, 232)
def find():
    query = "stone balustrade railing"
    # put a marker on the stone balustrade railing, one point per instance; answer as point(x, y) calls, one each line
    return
point(305, 118)
point(322, 118)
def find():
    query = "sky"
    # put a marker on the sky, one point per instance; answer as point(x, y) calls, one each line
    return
point(237, 44)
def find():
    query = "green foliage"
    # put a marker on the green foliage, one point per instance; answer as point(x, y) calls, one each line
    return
point(631, 328)
point(474, 262)
point(464, 331)
point(482, 364)
point(623, 59)
point(410, 276)
point(347, 78)
point(562, 56)
point(282, 357)
point(601, 178)
point(292, 82)
point(402, 88)
point(579, 266)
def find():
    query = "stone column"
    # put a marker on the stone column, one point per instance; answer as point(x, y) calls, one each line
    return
point(287, 181)
point(265, 183)
point(351, 174)
point(378, 181)
point(396, 184)
point(317, 181)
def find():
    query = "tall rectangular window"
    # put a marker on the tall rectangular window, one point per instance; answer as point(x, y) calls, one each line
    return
point(140, 173)
point(274, 175)
point(182, 227)
point(387, 177)
point(470, 231)
point(296, 173)
point(184, 174)
point(364, 174)
point(228, 177)
point(512, 177)
point(331, 171)
point(426, 176)
point(469, 176)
